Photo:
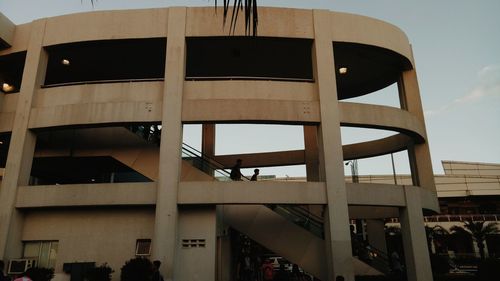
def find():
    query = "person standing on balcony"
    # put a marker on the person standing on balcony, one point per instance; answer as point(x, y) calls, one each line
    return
point(255, 175)
point(236, 171)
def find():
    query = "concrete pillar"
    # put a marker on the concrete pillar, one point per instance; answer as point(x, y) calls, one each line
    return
point(208, 144)
point(197, 244)
point(417, 260)
point(311, 152)
point(22, 146)
point(224, 258)
point(337, 235)
point(419, 155)
point(208, 140)
point(166, 217)
point(376, 234)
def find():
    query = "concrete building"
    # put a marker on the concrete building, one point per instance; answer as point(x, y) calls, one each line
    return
point(89, 175)
point(466, 191)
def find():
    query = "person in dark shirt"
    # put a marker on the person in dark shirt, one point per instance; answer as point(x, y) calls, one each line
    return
point(235, 171)
point(282, 274)
point(255, 175)
point(156, 271)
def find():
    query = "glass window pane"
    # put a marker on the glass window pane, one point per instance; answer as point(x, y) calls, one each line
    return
point(31, 249)
point(53, 254)
point(43, 260)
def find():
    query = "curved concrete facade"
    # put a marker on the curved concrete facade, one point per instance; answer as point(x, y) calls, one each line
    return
point(181, 200)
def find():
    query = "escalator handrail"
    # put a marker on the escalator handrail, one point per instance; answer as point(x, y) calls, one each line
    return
point(209, 160)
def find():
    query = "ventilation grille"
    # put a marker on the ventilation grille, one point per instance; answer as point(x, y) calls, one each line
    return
point(193, 243)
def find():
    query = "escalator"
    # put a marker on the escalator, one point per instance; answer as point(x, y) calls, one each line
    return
point(291, 224)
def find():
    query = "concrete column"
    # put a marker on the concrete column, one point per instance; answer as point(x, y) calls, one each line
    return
point(419, 154)
point(166, 217)
point(208, 140)
point(311, 152)
point(376, 234)
point(22, 146)
point(337, 236)
point(208, 144)
point(417, 260)
point(197, 244)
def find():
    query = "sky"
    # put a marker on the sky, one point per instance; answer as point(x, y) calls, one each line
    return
point(456, 45)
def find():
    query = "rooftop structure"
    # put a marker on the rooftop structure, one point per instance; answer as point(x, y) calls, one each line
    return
point(92, 111)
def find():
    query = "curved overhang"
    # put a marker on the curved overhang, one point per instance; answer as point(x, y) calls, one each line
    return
point(368, 68)
point(370, 31)
point(381, 117)
point(384, 146)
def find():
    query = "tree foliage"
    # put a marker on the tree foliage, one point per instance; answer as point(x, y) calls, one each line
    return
point(40, 273)
point(99, 273)
point(137, 269)
point(478, 230)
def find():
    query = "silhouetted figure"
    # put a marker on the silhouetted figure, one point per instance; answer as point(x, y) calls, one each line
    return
point(268, 270)
point(282, 274)
point(297, 275)
point(397, 268)
point(2, 276)
point(244, 270)
point(156, 271)
point(236, 171)
point(255, 175)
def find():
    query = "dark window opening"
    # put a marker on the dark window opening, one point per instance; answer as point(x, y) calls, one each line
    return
point(249, 58)
point(11, 72)
point(4, 148)
point(81, 170)
point(106, 60)
point(362, 69)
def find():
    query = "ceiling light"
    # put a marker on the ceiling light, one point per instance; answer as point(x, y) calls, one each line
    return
point(1, 142)
point(343, 70)
point(65, 62)
point(6, 87)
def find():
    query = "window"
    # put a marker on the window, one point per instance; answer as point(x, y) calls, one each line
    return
point(44, 252)
point(143, 247)
point(236, 57)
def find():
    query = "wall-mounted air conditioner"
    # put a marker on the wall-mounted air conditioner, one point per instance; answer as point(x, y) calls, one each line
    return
point(18, 266)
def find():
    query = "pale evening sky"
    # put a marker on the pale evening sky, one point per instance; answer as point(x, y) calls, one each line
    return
point(456, 44)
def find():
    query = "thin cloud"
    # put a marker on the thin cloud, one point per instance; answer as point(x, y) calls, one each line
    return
point(487, 86)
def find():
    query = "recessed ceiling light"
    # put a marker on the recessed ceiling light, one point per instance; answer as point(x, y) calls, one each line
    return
point(65, 62)
point(6, 87)
point(1, 142)
point(343, 70)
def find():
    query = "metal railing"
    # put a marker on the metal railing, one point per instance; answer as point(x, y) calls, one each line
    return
point(101, 82)
point(250, 78)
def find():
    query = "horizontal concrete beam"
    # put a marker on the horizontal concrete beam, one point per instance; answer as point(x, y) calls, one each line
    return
point(203, 192)
point(263, 192)
point(375, 194)
point(86, 195)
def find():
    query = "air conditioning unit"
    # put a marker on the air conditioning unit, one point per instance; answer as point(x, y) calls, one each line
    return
point(18, 266)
